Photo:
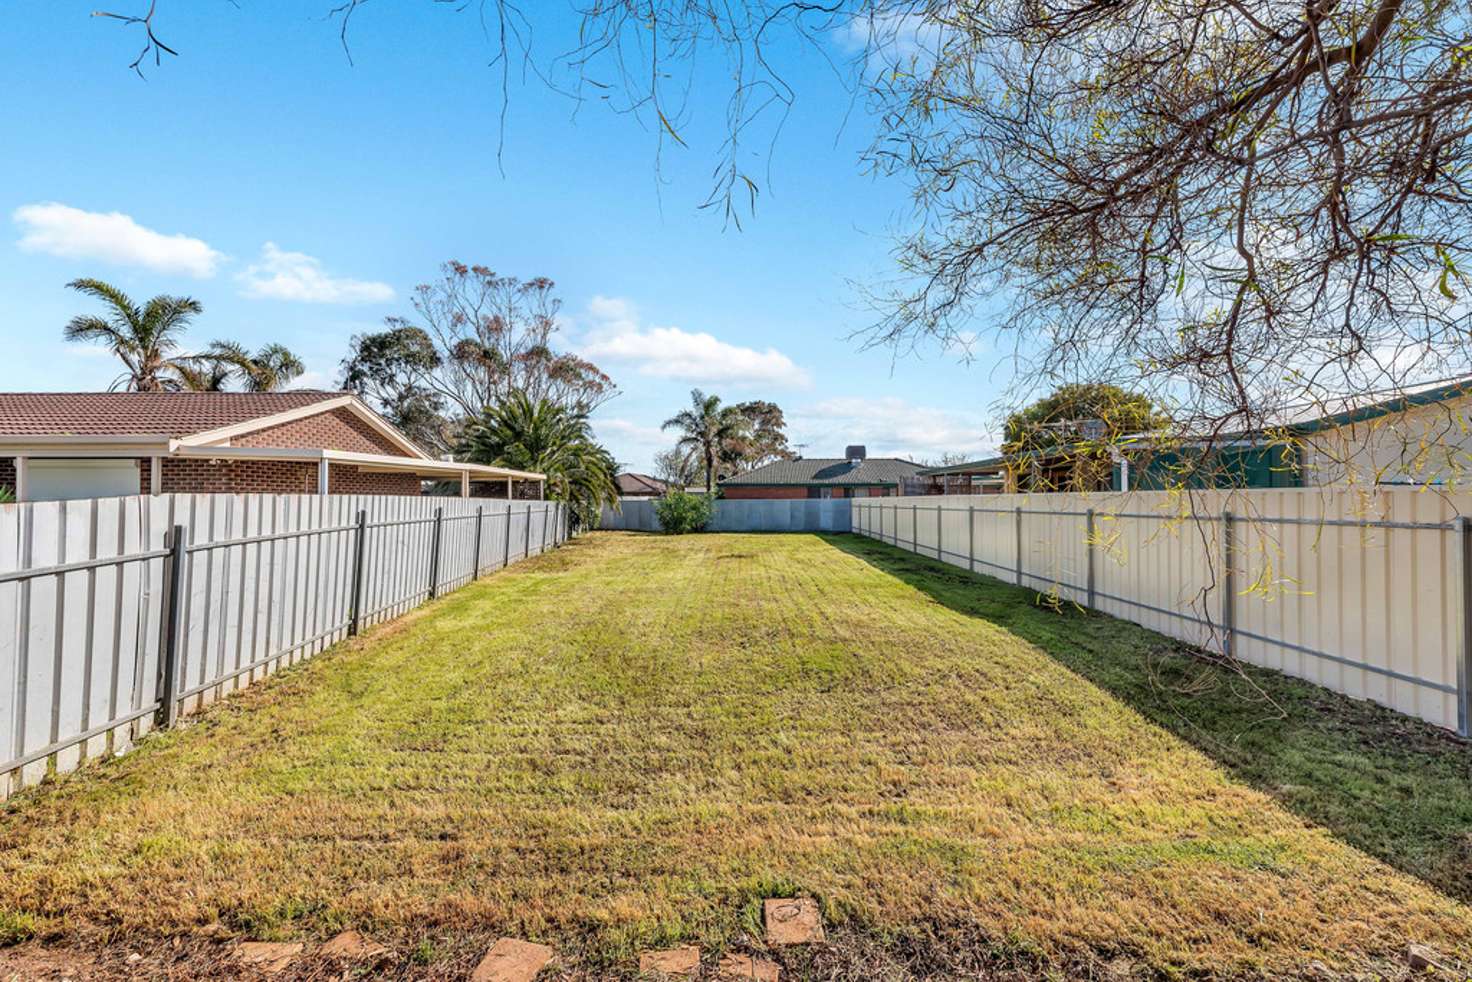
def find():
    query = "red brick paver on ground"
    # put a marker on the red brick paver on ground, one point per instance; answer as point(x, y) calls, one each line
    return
point(747, 967)
point(671, 961)
point(511, 960)
point(793, 921)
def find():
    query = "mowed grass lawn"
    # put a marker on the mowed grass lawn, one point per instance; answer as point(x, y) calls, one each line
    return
point(632, 741)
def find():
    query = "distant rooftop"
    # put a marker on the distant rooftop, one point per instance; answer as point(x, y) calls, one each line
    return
point(819, 471)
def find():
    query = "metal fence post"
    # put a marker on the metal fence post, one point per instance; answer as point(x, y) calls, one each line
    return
point(1229, 586)
point(915, 529)
point(1089, 545)
point(479, 515)
point(169, 664)
point(971, 538)
point(506, 551)
point(1019, 545)
point(360, 546)
point(1464, 664)
point(434, 553)
point(939, 532)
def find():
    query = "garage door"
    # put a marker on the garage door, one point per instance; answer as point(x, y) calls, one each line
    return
point(62, 480)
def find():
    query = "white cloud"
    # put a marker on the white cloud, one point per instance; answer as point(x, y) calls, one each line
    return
point(887, 427)
point(617, 335)
point(900, 39)
point(282, 275)
point(312, 379)
point(71, 233)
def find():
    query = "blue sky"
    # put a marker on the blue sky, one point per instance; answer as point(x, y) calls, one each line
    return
point(300, 198)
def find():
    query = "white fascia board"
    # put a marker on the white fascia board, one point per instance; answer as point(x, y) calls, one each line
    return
point(83, 446)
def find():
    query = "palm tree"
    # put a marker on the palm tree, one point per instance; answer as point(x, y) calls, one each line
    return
point(543, 436)
point(199, 373)
point(270, 368)
point(145, 338)
point(705, 428)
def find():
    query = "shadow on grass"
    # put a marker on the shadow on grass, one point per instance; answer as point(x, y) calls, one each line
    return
point(1394, 787)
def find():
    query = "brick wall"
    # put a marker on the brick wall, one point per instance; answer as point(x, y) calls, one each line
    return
point(346, 479)
point(203, 476)
point(335, 430)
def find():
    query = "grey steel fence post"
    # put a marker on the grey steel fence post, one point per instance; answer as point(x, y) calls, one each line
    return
point(971, 538)
point(1229, 586)
point(1019, 545)
point(915, 529)
point(169, 664)
point(479, 515)
point(434, 553)
point(1089, 545)
point(546, 517)
point(526, 550)
point(939, 534)
point(506, 552)
point(360, 546)
point(1464, 664)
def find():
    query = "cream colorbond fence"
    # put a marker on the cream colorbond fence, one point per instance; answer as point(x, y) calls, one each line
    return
point(1365, 593)
point(119, 614)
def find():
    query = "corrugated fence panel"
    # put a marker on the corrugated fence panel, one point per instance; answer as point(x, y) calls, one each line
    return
point(1363, 592)
point(743, 515)
point(266, 580)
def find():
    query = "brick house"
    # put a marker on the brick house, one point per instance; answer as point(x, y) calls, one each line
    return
point(60, 445)
point(855, 475)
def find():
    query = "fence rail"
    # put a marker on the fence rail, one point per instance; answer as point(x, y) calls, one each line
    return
point(742, 515)
point(1366, 593)
point(119, 614)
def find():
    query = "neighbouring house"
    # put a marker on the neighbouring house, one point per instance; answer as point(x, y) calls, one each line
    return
point(986, 476)
point(631, 485)
point(855, 475)
point(62, 445)
point(1422, 436)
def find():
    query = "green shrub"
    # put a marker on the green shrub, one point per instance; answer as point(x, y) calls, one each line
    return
point(680, 512)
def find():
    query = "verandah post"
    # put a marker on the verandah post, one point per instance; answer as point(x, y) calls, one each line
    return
point(434, 553)
point(169, 663)
point(360, 545)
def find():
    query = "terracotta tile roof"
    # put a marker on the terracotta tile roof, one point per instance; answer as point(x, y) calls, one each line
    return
point(170, 414)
